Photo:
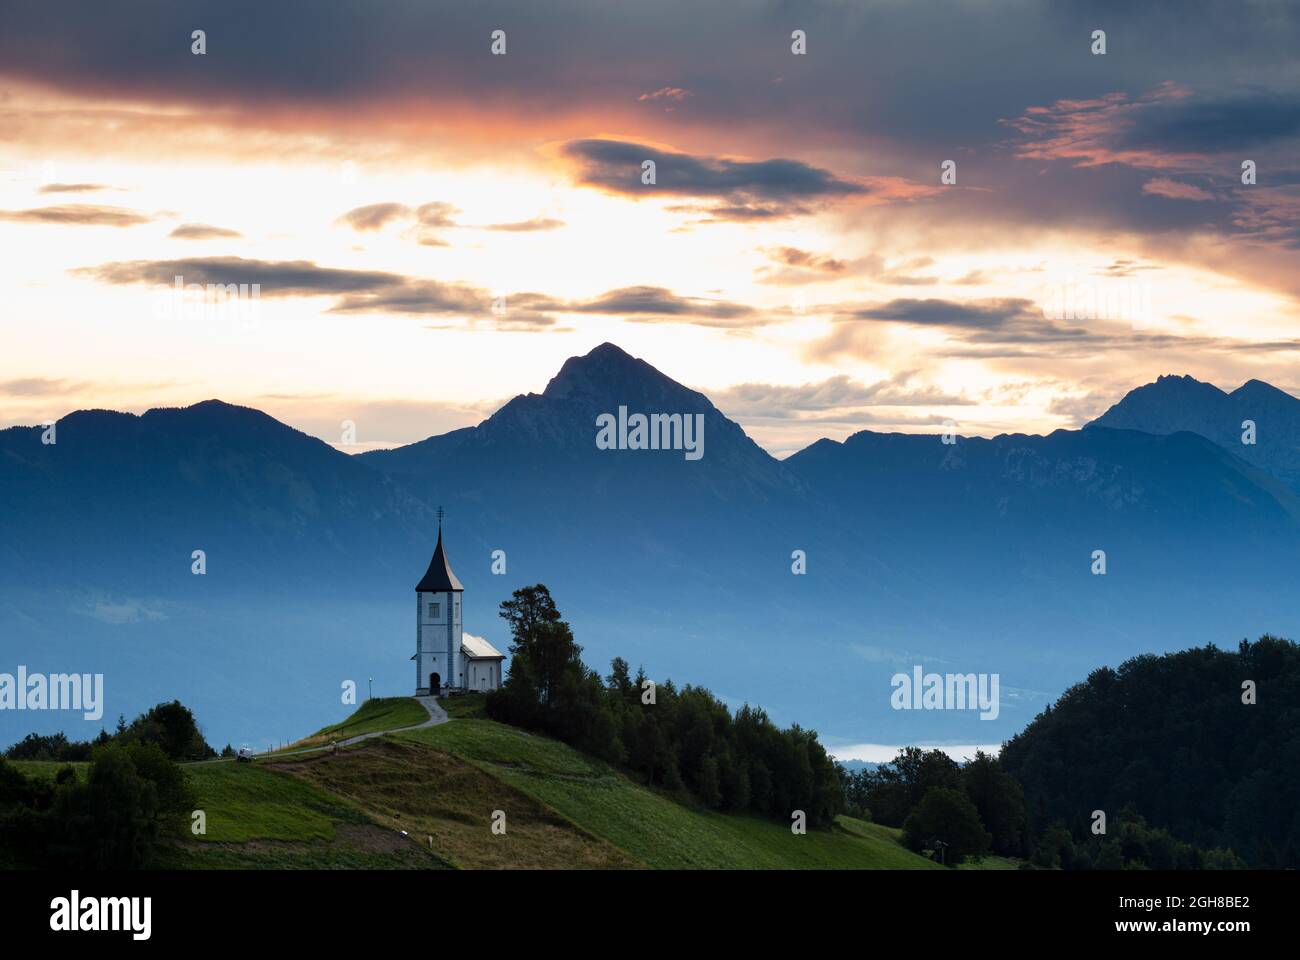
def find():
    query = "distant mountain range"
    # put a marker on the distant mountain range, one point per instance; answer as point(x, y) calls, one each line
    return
point(1174, 404)
point(974, 556)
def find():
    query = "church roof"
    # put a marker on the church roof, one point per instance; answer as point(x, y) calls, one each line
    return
point(476, 648)
point(439, 578)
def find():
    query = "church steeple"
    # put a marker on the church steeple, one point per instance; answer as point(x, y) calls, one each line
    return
point(439, 578)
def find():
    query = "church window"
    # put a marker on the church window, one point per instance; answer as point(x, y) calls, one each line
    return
point(434, 610)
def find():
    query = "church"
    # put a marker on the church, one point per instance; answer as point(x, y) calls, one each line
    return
point(448, 660)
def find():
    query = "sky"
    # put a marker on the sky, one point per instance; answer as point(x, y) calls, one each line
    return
point(434, 227)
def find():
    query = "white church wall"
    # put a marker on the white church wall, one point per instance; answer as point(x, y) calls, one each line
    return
point(483, 675)
point(431, 633)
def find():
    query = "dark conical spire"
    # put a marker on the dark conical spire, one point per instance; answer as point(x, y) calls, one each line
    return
point(439, 578)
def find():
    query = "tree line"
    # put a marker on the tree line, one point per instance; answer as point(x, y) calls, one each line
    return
point(1204, 744)
point(684, 741)
point(132, 797)
point(169, 725)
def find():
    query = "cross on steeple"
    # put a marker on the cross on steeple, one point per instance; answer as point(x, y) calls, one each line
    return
point(440, 516)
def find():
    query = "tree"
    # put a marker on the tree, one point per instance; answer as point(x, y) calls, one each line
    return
point(708, 788)
point(894, 789)
point(542, 644)
point(1000, 802)
point(946, 815)
point(527, 608)
point(173, 728)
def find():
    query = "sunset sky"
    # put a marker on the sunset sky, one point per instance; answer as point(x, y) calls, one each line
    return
point(386, 178)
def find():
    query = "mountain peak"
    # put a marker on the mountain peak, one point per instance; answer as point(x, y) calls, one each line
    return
point(1258, 388)
point(1153, 406)
point(1175, 403)
point(609, 376)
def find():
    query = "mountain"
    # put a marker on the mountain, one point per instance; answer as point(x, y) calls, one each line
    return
point(309, 559)
point(124, 500)
point(972, 557)
point(1176, 403)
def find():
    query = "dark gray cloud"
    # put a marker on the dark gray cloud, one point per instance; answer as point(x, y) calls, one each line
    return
point(844, 100)
point(371, 291)
point(1016, 328)
point(1213, 124)
point(658, 304)
point(991, 314)
point(83, 214)
point(751, 189)
point(278, 278)
point(734, 59)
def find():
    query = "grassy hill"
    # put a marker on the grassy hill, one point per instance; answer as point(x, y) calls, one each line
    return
point(381, 713)
point(442, 786)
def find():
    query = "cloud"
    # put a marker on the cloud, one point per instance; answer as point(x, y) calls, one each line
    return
point(879, 753)
point(73, 187)
point(1096, 131)
point(748, 189)
point(202, 231)
point(428, 218)
point(126, 611)
point(82, 214)
point(657, 304)
point(983, 329)
point(374, 216)
point(373, 291)
point(278, 278)
point(1175, 189)
point(978, 314)
point(38, 387)
point(379, 423)
point(673, 94)
point(419, 297)
point(1214, 122)
point(436, 214)
point(800, 267)
point(1080, 409)
point(356, 291)
point(818, 263)
point(526, 226)
point(838, 393)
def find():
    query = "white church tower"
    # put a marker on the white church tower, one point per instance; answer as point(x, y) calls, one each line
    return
point(446, 658)
point(437, 626)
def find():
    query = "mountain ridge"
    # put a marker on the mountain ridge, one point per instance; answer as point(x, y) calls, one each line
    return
point(969, 552)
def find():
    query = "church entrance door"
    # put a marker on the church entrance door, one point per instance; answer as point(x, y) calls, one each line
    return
point(435, 684)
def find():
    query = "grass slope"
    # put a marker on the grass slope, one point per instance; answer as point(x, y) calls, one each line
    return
point(563, 809)
point(381, 713)
point(259, 818)
point(50, 768)
point(650, 826)
point(451, 804)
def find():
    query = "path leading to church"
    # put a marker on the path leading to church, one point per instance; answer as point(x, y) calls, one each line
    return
point(437, 715)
